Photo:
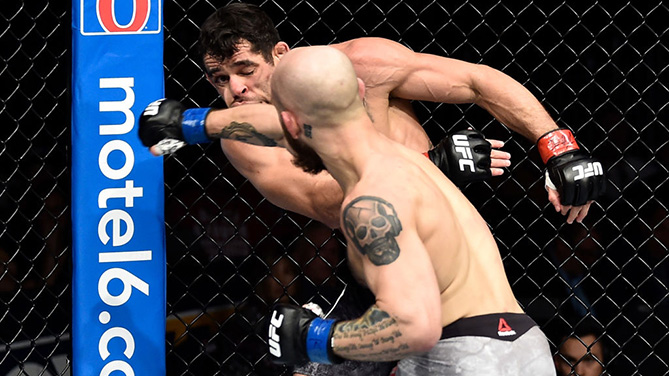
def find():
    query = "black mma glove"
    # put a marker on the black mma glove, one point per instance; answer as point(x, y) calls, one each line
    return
point(576, 176)
point(167, 124)
point(297, 336)
point(463, 156)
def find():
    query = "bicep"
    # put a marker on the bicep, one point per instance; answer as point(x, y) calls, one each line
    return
point(272, 173)
point(410, 279)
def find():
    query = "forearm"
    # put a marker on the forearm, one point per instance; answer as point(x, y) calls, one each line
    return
point(376, 336)
point(272, 173)
point(511, 103)
point(256, 124)
point(438, 79)
point(315, 199)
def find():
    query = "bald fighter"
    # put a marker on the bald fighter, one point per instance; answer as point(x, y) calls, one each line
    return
point(443, 305)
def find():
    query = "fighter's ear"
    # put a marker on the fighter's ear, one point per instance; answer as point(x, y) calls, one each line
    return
point(279, 50)
point(361, 88)
point(290, 122)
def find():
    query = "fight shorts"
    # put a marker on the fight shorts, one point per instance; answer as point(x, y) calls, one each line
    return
point(354, 302)
point(504, 344)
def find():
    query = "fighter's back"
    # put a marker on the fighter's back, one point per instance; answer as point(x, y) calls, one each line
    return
point(462, 252)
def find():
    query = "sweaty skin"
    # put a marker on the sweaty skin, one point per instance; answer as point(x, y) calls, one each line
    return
point(413, 238)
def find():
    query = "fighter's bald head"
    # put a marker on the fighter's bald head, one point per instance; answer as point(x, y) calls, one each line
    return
point(318, 84)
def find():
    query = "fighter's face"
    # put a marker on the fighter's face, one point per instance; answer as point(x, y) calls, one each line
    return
point(305, 157)
point(242, 79)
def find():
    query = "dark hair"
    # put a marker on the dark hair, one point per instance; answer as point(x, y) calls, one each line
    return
point(221, 33)
point(590, 327)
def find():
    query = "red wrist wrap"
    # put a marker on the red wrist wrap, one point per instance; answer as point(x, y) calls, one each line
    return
point(555, 143)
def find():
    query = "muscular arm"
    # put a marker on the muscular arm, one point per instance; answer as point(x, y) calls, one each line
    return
point(256, 124)
point(503, 97)
point(418, 76)
point(407, 315)
point(272, 173)
point(415, 76)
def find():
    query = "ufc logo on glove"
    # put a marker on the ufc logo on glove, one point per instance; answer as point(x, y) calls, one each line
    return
point(273, 337)
point(592, 169)
point(576, 176)
point(462, 146)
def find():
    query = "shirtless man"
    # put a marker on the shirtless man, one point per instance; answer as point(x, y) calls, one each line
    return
point(443, 303)
point(240, 47)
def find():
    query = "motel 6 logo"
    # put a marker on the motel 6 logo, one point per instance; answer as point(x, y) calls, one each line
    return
point(114, 17)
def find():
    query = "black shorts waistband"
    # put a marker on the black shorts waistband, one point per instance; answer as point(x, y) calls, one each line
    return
point(504, 326)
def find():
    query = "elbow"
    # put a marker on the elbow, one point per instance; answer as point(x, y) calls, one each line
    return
point(423, 335)
point(486, 72)
point(331, 219)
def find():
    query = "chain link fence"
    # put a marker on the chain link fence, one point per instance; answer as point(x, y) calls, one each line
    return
point(34, 188)
point(598, 67)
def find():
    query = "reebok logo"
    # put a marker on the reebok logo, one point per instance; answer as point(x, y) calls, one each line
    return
point(504, 329)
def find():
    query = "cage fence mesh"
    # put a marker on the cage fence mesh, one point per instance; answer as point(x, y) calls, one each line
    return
point(34, 188)
point(599, 68)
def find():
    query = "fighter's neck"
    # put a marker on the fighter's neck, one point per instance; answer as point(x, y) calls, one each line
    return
point(347, 157)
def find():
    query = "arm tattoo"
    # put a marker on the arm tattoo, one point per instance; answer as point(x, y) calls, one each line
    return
point(376, 332)
point(245, 132)
point(372, 224)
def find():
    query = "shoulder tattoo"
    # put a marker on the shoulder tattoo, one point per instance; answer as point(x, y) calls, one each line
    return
point(245, 132)
point(372, 224)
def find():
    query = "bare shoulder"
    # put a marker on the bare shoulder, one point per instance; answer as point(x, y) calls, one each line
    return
point(379, 196)
point(369, 43)
point(372, 220)
point(371, 49)
point(376, 60)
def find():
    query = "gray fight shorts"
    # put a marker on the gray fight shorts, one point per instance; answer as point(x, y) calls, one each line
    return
point(505, 344)
point(353, 303)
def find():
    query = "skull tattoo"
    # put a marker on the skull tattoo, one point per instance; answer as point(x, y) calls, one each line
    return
point(372, 224)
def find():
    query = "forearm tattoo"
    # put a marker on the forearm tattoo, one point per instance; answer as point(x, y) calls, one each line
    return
point(245, 132)
point(372, 225)
point(374, 336)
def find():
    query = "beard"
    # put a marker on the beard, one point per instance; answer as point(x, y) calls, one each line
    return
point(305, 157)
